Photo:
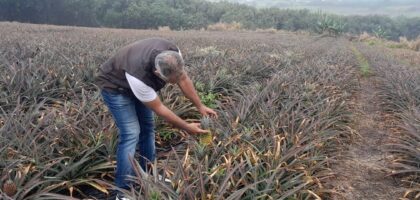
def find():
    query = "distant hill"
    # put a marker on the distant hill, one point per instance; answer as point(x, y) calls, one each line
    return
point(345, 7)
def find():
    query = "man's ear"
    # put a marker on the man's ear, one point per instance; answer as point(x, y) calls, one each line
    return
point(153, 55)
point(156, 72)
point(183, 76)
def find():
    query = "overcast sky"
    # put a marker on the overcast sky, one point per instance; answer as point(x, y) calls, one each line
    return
point(346, 7)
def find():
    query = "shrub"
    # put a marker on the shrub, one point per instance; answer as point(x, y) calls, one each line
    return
point(164, 28)
point(221, 26)
point(268, 30)
point(330, 24)
point(415, 44)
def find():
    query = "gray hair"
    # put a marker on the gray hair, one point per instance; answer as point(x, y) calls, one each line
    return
point(169, 63)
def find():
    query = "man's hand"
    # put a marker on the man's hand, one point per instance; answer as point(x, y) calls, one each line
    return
point(206, 111)
point(161, 110)
point(189, 91)
point(194, 129)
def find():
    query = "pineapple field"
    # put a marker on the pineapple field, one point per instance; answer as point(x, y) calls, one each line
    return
point(300, 117)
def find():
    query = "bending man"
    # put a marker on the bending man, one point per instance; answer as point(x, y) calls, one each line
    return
point(129, 81)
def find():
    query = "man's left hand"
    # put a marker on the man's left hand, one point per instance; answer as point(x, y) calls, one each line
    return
point(206, 111)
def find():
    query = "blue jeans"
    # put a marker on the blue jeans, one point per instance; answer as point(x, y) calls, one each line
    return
point(136, 127)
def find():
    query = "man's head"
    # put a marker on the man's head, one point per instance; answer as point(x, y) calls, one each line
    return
point(169, 66)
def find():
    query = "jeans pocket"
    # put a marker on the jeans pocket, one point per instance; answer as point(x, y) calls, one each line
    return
point(116, 100)
point(110, 94)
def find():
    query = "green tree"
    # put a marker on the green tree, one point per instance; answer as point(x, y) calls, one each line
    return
point(195, 14)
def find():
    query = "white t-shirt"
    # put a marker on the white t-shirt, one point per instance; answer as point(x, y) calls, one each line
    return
point(142, 91)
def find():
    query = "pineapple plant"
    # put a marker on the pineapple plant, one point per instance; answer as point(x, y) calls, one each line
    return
point(266, 125)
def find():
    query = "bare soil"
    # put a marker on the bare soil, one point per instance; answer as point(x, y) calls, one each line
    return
point(361, 170)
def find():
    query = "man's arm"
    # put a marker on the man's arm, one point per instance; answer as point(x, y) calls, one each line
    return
point(149, 97)
point(162, 111)
point(187, 87)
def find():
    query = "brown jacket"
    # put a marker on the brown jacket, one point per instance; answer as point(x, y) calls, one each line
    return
point(138, 60)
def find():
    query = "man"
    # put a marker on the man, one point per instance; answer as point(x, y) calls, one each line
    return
point(129, 81)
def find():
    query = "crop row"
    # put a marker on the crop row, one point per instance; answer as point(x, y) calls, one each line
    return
point(400, 95)
point(282, 101)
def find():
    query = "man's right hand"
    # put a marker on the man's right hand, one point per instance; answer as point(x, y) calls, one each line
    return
point(195, 129)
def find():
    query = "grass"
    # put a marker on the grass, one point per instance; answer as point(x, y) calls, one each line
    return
point(365, 69)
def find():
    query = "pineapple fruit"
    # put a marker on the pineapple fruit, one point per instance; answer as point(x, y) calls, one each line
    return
point(9, 188)
point(206, 138)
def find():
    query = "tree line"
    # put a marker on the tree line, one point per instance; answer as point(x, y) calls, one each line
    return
point(196, 14)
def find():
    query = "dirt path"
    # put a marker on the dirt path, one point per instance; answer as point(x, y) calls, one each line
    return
point(362, 168)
